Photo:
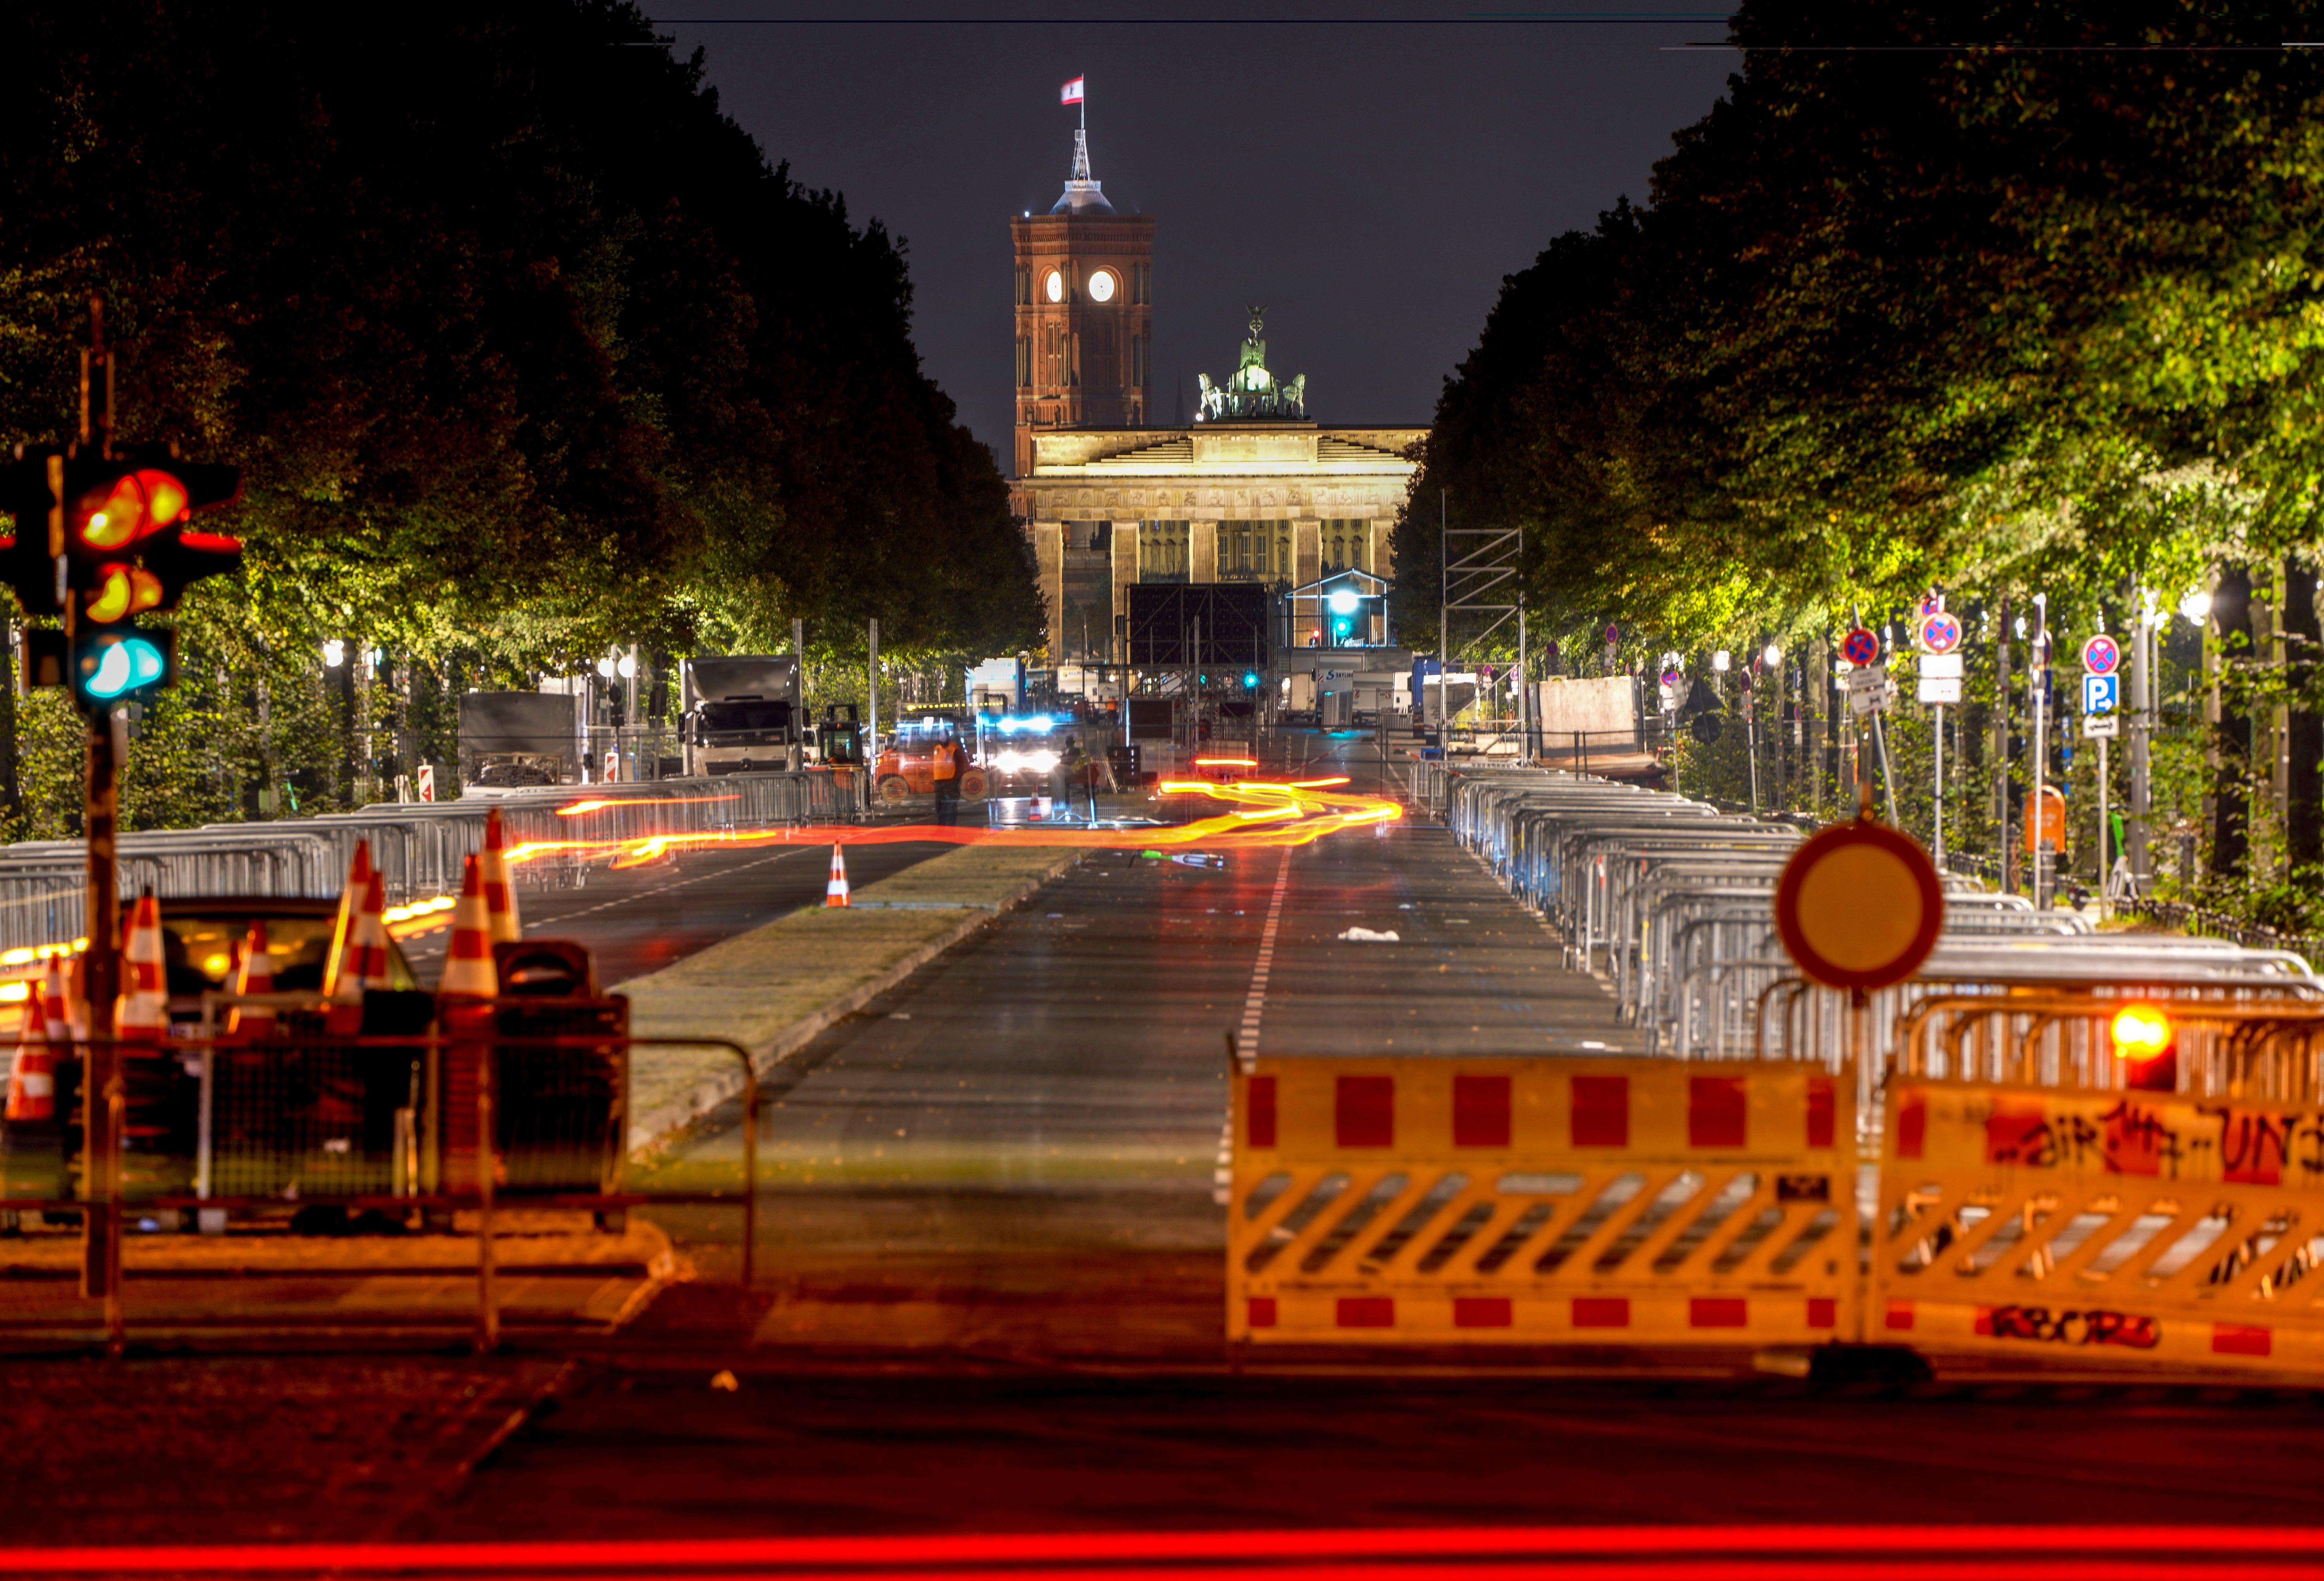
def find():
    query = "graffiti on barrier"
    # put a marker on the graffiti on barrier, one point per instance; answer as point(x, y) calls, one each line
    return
point(2042, 1325)
point(2250, 1146)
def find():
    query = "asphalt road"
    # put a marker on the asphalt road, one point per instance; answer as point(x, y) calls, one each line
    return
point(1018, 1147)
point(628, 1452)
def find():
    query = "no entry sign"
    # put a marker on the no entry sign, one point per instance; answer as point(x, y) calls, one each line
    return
point(1859, 647)
point(1859, 906)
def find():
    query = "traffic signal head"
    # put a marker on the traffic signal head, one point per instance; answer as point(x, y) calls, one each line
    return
point(125, 532)
point(116, 665)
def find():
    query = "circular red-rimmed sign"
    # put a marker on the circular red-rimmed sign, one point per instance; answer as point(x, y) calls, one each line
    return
point(1859, 906)
point(2101, 656)
point(1859, 647)
point(1941, 633)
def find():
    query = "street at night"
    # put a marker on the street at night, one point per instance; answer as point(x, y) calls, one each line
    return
point(1561, 816)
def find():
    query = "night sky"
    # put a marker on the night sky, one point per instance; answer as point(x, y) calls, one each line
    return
point(1370, 182)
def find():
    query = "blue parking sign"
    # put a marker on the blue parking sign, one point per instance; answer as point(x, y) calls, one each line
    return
point(2101, 693)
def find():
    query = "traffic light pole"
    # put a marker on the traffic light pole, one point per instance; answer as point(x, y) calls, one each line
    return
point(103, 1097)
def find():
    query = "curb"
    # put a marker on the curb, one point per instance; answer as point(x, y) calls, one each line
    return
point(657, 1129)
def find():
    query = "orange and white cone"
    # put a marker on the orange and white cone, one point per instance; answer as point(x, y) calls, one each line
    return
point(351, 899)
point(143, 1013)
point(63, 1020)
point(835, 893)
point(360, 961)
point(468, 968)
point(500, 896)
point(32, 1084)
point(254, 1023)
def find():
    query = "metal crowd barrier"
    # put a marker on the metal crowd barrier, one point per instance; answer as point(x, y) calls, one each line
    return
point(419, 847)
point(510, 1103)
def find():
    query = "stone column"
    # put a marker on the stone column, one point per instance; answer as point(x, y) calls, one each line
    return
point(1202, 551)
point(1306, 565)
point(1125, 571)
point(1049, 557)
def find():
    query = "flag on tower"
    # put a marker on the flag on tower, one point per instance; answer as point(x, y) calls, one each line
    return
point(1072, 93)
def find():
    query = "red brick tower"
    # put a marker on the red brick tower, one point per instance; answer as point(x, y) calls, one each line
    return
point(1084, 313)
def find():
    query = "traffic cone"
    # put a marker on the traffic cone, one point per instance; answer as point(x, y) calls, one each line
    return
point(32, 1084)
point(143, 1012)
point(254, 1023)
point(61, 1017)
point(835, 893)
point(500, 896)
point(351, 899)
point(468, 968)
point(360, 961)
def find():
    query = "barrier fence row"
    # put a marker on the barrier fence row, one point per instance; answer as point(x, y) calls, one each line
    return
point(513, 1103)
point(418, 846)
point(1648, 1204)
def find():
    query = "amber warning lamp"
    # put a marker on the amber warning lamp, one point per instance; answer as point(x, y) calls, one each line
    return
point(2147, 1044)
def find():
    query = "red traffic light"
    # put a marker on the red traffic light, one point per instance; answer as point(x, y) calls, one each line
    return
point(123, 508)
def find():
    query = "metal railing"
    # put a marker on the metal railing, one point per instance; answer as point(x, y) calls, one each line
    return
point(419, 847)
point(466, 1117)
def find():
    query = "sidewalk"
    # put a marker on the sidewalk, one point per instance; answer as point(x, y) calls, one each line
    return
point(556, 1275)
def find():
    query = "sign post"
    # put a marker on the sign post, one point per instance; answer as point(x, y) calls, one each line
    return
point(2101, 714)
point(1938, 639)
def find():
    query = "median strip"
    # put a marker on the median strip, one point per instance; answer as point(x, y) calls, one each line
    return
point(773, 989)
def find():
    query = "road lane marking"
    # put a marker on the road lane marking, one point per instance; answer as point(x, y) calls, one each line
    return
point(1254, 1003)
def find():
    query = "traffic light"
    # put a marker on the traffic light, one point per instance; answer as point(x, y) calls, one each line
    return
point(128, 552)
point(30, 562)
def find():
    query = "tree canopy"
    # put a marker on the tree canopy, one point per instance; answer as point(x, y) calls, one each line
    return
point(521, 343)
point(1989, 298)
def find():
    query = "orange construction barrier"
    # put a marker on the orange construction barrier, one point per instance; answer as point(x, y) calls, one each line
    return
point(1540, 1201)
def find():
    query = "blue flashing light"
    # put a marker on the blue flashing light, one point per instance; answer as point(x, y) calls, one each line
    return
point(1250, 679)
point(1025, 724)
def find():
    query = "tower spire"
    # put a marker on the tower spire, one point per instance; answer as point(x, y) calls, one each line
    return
point(1081, 155)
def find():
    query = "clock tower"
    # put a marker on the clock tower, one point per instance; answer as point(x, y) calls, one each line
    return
point(1084, 313)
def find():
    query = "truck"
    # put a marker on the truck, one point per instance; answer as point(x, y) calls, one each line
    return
point(516, 738)
point(741, 713)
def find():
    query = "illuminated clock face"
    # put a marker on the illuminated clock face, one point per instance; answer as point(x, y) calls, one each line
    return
point(1056, 286)
point(1101, 287)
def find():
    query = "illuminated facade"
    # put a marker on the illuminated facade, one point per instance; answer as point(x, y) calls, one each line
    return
point(1252, 492)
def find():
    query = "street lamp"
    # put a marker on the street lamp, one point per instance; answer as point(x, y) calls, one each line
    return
point(2197, 605)
point(1773, 656)
point(334, 653)
point(605, 669)
point(628, 666)
point(1718, 661)
point(1344, 601)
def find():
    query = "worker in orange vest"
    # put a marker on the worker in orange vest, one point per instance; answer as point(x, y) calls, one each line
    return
point(947, 773)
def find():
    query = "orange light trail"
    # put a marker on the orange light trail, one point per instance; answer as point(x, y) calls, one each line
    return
point(1260, 813)
point(598, 804)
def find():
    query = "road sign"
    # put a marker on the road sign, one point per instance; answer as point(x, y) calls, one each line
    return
point(1859, 906)
point(428, 781)
point(2101, 656)
point(1860, 647)
point(1932, 603)
point(2095, 725)
point(1940, 633)
point(1865, 678)
point(1863, 700)
point(1941, 666)
point(1939, 688)
point(2101, 693)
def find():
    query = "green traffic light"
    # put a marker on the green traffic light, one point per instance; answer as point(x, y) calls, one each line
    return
point(123, 667)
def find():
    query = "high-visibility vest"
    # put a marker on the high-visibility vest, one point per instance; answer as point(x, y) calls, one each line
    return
point(948, 762)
